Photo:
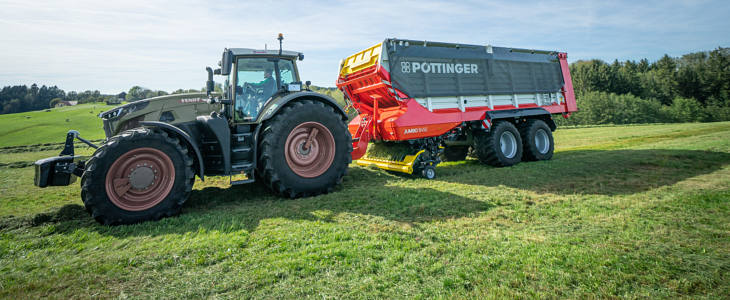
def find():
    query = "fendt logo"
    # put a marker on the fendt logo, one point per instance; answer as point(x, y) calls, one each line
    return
point(438, 68)
point(191, 100)
point(415, 130)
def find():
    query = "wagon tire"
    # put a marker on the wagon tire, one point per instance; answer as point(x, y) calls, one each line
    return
point(537, 139)
point(500, 147)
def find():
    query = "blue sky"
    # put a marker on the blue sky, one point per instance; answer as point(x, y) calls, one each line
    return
point(113, 45)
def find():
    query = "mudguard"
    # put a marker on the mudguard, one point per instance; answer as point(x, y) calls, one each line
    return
point(276, 104)
point(522, 112)
point(219, 127)
point(179, 132)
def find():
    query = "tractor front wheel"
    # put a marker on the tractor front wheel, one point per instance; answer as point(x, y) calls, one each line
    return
point(138, 175)
point(304, 150)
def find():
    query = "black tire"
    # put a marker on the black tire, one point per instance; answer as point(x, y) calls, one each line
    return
point(488, 150)
point(93, 182)
point(537, 140)
point(454, 153)
point(428, 172)
point(272, 164)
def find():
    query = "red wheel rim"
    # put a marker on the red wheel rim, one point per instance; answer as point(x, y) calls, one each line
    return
point(140, 179)
point(309, 149)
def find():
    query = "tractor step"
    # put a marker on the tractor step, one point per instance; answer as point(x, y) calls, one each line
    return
point(241, 178)
point(241, 137)
point(237, 167)
point(241, 149)
point(237, 182)
point(241, 154)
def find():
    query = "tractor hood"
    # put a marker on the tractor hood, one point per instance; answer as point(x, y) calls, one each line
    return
point(173, 109)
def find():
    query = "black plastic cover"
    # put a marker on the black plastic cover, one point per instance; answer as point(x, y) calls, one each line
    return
point(54, 171)
point(426, 69)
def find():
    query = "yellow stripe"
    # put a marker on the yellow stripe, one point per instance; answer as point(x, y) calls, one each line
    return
point(361, 60)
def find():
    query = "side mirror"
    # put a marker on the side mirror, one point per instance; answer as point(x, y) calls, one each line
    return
point(226, 62)
point(301, 56)
point(308, 83)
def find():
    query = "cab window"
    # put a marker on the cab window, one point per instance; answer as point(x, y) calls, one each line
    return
point(256, 84)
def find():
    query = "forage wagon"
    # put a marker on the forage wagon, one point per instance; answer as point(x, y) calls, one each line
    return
point(422, 102)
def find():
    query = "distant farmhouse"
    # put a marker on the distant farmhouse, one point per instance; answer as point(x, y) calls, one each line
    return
point(66, 103)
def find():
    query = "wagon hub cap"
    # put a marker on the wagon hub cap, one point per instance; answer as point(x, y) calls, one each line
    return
point(542, 141)
point(508, 144)
point(309, 149)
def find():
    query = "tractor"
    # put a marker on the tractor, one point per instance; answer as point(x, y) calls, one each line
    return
point(264, 126)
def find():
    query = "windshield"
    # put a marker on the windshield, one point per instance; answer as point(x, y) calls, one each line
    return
point(256, 83)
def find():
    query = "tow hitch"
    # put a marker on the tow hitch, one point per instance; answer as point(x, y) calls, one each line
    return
point(63, 169)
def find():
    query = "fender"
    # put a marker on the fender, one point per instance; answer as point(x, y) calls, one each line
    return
point(521, 113)
point(276, 104)
point(179, 132)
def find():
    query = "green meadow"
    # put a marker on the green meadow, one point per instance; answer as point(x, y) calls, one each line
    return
point(619, 212)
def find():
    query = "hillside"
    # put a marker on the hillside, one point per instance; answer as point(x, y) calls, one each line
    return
point(620, 212)
point(50, 126)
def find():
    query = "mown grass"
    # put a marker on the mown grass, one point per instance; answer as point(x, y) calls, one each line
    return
point(632, 211)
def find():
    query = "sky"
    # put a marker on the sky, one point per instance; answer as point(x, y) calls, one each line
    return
point(165, 45)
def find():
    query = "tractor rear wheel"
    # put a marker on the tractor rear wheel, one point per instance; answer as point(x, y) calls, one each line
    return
point(500, 147)
point(537, 139)
point(139, 175)
point(304, 150)
point(454, 153)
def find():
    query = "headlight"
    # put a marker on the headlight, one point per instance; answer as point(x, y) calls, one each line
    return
point(112, 113)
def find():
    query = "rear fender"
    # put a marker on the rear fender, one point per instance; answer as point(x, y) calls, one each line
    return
point(516, 115)
point(175, 131)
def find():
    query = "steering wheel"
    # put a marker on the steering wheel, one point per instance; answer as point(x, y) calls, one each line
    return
point(249, 95)
point(249, 88)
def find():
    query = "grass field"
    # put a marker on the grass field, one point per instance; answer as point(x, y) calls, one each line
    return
point(41, 127)
point(634, 212)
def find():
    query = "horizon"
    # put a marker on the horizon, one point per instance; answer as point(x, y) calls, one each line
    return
point(113, 46)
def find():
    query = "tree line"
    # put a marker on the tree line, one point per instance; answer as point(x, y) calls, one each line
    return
point(692, 88)
point(22, 98)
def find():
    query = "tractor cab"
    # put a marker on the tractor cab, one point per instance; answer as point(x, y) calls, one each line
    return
point(257, 76)
point(254, 77)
